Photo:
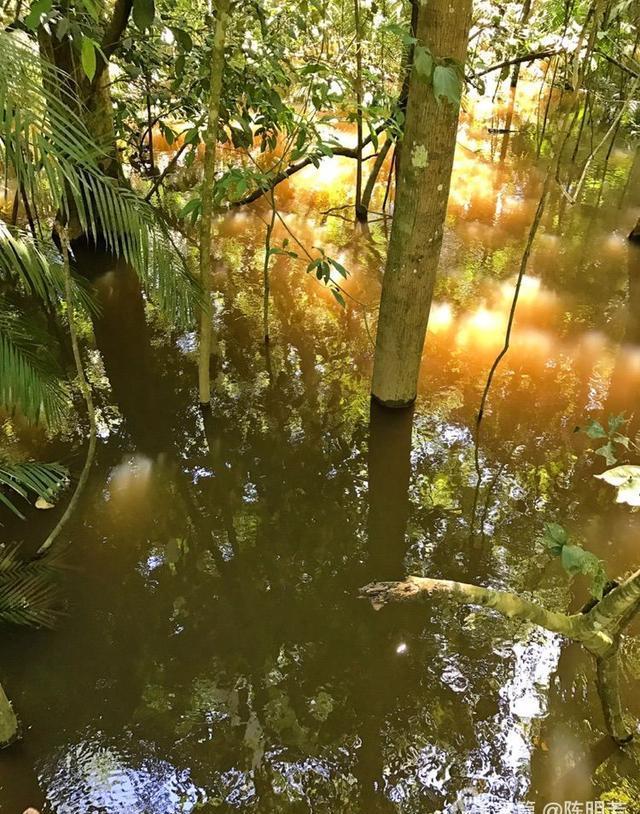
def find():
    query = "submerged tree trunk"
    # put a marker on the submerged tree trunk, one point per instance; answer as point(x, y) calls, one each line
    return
point(8, 721)
point(423, 180)
point(608, 683)
point(206, 224)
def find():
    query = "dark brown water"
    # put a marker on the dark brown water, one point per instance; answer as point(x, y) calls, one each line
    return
point(215, 656)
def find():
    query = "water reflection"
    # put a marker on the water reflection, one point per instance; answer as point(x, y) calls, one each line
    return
point(90, 776)
point(217, 649)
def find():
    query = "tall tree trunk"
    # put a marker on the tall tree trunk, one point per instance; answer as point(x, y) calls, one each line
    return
point(361, 212)
point(8, 721)
point(424, 177)
point(206, 224)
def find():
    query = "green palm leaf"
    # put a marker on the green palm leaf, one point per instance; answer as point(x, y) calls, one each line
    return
point(30, 379)
point(36, 267)
point(40, 479)
point(53, 158)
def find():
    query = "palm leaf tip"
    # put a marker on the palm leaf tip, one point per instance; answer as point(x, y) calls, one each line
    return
point(30, 478)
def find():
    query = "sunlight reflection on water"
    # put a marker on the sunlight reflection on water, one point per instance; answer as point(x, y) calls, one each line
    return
point(90, 777)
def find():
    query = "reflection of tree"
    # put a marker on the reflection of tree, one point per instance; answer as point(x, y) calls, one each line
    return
point(123, 338)
point(624, 378)
point(232, 638)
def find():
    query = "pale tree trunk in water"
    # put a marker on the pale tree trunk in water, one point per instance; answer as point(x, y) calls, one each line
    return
point(206, 223)
point(8, 721)
point(423, 180)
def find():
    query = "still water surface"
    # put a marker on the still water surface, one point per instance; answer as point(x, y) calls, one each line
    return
point(215, 656)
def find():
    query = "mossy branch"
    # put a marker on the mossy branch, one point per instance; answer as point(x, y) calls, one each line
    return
point(508, 604)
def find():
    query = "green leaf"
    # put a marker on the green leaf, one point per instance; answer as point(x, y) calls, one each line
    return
point(62, 28)
point(607, 452)
point(88, 57)
point(192, 208)
point(626, 479)
point(401, 32)
point(339, 268)
point(37, 10)
point(573, 558)
point(30, 379)
point(594, 429)
point(423, 61)
point(616, 422)
point(554, 537)
point(576, 560)
point(338, 296)
point(623, 440)
point(28, 594)
point(144, 12)
point(182, 38)
point(447, 84)
point(192, 136)
point(92, 7)
point(40, 479)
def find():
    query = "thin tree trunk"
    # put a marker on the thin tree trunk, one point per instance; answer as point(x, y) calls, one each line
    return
point(8, 721)
point(423, 181)
point(361, 213)
point(513, 89)
point(152, 163)
point(373, 177)
point(265, 270)
point(206, 225)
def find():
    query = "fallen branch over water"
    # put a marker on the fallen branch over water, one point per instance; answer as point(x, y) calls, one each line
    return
point(598, 630)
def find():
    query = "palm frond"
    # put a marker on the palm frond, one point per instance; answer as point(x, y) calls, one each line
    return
point(55, 160)
point(22, 261)
point(41, 479)
point(30, 379)
point(28, 593)
point(36, 267)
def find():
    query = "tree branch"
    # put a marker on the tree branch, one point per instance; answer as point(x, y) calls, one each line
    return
point(615, 609)
point(508, 604)
point(287, 172)
point(518, 61)
point(617, 63)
